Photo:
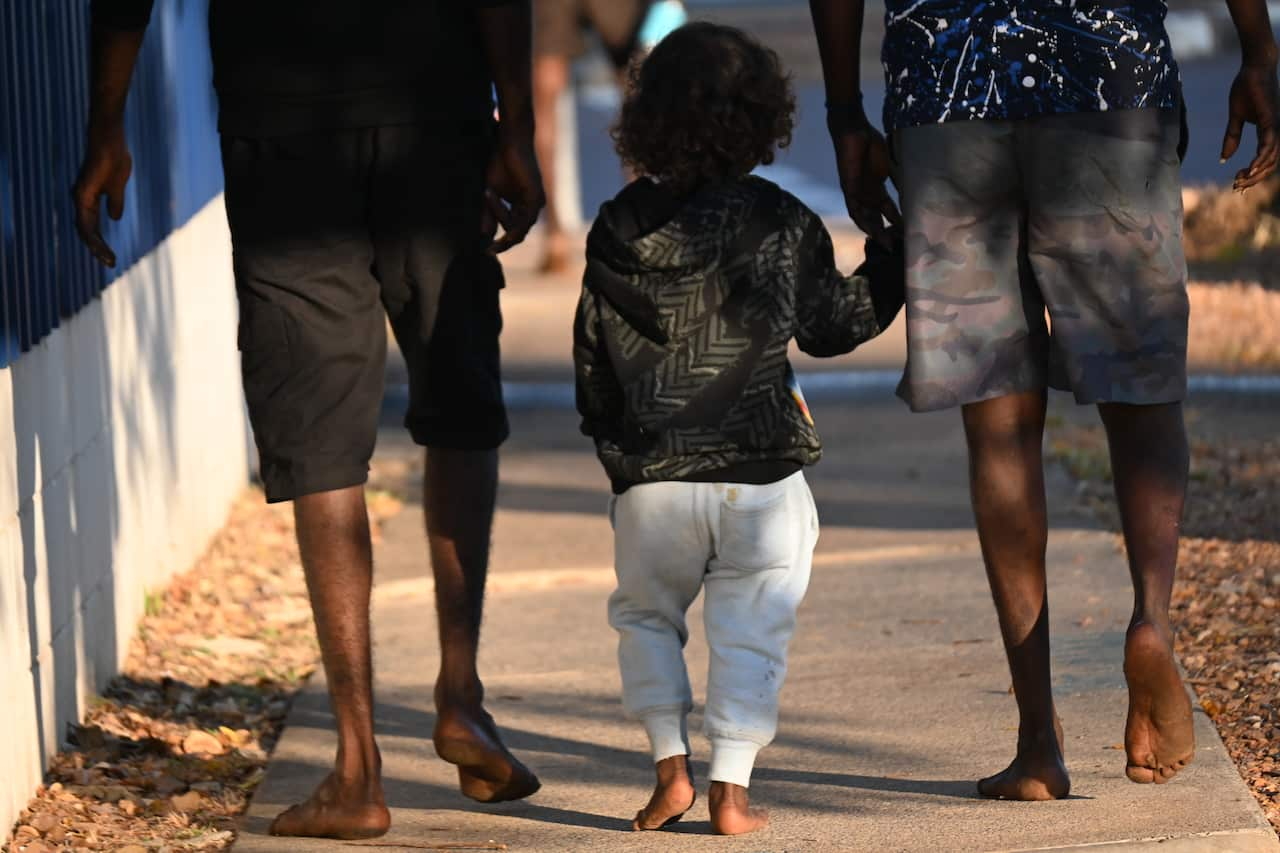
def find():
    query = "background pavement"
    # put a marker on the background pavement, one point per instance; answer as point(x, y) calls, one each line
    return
point(897, 699)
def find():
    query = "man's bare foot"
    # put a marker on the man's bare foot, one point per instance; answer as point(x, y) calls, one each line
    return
point(487, 771)
point(731, 813)
point(345, 812)
point(1159, 736)
point(672, 796)
point(1037, 772)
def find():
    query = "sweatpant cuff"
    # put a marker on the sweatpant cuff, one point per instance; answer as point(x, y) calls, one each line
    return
point(732, 760)
point(668, 733)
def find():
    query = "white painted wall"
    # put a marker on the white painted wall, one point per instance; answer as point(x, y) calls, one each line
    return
point(122, 445)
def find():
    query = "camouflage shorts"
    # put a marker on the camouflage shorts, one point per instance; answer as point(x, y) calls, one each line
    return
point(1077, 214)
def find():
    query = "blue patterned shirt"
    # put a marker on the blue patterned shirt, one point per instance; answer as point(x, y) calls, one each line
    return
point(959, 60)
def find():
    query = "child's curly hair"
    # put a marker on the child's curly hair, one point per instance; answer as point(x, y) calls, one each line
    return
point(709, 103)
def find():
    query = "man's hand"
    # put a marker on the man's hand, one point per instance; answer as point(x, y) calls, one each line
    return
point(513, 186)
point(104, 172)
point(513, 190)
point(117, 31)
point(862, 159)
point(1255, 98)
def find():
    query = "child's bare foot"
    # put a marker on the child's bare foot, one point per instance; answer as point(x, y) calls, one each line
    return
point(1159, 736)
point(672, 796)
point(731, 813)
point(1037, 771)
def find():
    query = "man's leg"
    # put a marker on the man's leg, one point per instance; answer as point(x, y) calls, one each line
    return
point(333, 538)
point(1149, 460)
point(550, 79)
point(1115, 287)
point(460, 490)
point(1007, 482)
point(312, 353)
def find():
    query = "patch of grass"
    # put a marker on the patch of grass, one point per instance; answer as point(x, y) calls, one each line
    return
point(1083, 463)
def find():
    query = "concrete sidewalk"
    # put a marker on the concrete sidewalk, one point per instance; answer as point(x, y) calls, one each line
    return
point(897, 699)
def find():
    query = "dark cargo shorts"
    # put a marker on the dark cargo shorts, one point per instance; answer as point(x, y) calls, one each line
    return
point(1077, 214)
point(333, 234)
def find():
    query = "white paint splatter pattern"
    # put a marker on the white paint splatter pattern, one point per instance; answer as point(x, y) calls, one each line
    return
point(955, 60)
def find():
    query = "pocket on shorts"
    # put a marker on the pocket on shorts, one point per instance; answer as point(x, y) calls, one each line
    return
point(263, 341)
point(757, 531)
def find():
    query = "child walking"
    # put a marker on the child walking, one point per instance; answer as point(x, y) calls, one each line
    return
point(698, 277)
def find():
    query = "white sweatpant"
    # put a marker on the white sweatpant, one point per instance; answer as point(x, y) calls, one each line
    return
point(752, 548)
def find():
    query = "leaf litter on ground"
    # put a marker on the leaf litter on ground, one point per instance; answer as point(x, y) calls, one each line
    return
point(170, 753)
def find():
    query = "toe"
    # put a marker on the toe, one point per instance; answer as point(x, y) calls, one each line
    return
point(1141, 775)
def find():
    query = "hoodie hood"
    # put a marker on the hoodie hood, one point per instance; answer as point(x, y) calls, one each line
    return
point(646, 237)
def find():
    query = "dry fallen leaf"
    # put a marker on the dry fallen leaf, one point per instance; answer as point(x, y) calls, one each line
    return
point(188, 802)
point(202, 743)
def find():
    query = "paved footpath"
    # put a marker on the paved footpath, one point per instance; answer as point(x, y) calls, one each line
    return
point(897, 699)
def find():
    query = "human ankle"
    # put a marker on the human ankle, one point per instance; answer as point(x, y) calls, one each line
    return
point(358, 768)
point(1160, 624)
point(463, 693)
point(673, 770)
point(1038, 736)
point(727, 795)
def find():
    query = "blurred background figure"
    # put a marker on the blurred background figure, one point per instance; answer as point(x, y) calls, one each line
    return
point(663, 17)
point(624, 29)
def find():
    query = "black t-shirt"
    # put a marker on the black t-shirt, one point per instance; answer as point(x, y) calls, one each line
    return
point(289, 66)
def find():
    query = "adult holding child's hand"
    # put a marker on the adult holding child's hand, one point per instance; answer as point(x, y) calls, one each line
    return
point(863, 158)
point(863, 162)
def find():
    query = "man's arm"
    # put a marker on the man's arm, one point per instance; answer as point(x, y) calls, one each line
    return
point(1255, 94)
point(514, 193)
point(117, 27)
point(862, 156)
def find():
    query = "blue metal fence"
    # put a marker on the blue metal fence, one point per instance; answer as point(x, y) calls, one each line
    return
point(46, 275)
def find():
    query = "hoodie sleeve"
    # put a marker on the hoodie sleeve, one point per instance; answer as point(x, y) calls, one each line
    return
point(835, 313)
point(597, 390)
